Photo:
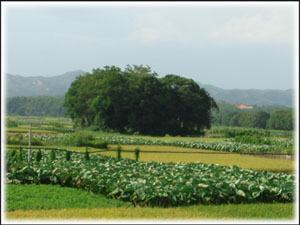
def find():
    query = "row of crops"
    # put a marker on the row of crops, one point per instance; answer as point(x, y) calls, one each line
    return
point(151, 183)
point(217, 146)
point(237, 145)
point(231, 132)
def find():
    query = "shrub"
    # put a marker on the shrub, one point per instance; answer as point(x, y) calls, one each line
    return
point(35, 141)
point(79, 139)
point(13, 154)
point(11, 123)
point(68, 155)
point(247, 139)
point(15, 140)
point(137, 153)
point(98, 144)
point(20, 155)
point(119, 152)
point(19, 139)
point(38, 155)
point(86, 154)
point(56, 124)
point(52, 155)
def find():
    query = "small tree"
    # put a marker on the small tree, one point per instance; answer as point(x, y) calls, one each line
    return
point(20, 155)
point(118, 152)
point(52, 155)
point(68, 155)
point(86, 154)
point(137, 153)
point(13, 155)
point(38, 156)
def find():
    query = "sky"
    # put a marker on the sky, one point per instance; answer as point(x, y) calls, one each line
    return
point(228, 45)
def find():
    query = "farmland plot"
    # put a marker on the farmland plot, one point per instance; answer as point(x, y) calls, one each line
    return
point(155, 183)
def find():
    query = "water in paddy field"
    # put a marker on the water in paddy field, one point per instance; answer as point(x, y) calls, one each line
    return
point(282, 157)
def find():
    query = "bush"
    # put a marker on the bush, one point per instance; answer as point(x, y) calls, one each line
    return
point(13, 153)
point(11, 123)
point(15, 140)
point(20, 155)
point(68, 155)
point(35, 141)
point(20, 140)
point(247, 139)
point(119, 152)
point(38, 155)
point(79, 139)
point(98, 144)
point(52, 155)
point(86, 154)
point(56, 125)
point(137, 153)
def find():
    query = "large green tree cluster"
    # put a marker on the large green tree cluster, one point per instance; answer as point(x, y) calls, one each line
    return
point(135, 100)
point(278, 119)
point(36, 106)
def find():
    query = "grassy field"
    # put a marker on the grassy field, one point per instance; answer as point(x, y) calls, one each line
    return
point(55, 202)
point(242, 212)
point(227, 159)
point(26, 131)
point(36, 197)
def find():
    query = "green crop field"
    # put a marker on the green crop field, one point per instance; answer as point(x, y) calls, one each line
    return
point(190, 177)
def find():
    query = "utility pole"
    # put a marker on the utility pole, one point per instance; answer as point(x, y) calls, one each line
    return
point(29, 150)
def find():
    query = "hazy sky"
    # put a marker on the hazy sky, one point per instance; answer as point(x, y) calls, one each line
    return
point(227, 45)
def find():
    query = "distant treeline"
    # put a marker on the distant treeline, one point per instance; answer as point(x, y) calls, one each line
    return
point(36, 106)
point(265, 117)
point(272, 117)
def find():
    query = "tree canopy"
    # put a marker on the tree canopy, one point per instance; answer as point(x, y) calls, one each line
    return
point(36, 106)
point(137, 101)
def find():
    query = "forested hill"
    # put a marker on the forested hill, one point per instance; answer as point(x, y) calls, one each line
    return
point(58, 85)
point(35, 86)
point(251, 96)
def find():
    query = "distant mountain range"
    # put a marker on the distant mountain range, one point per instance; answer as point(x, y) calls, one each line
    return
point(251, 96)
point(33, 86)
point(58, 85)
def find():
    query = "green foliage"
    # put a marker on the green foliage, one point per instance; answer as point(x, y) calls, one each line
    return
point(36, 106)
point(281, 120)
point(79, 139)
point(38, 155)
point(252, 140)
point(136, 101)
point(56, 124)
point(12, 154)
point(68, 155)
point(83, 139)
point(11, 123)
point(98, 144)
point(257, 117)
point(216, 146)
point(19, 139)
point(159, 184)
point(230, 132)
point(260, 119)
point(42, 197)
point(86, 154)
point(118, 152)
point(259, 140)
point(20, 155)
point(137, 153)
point(52, 155)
